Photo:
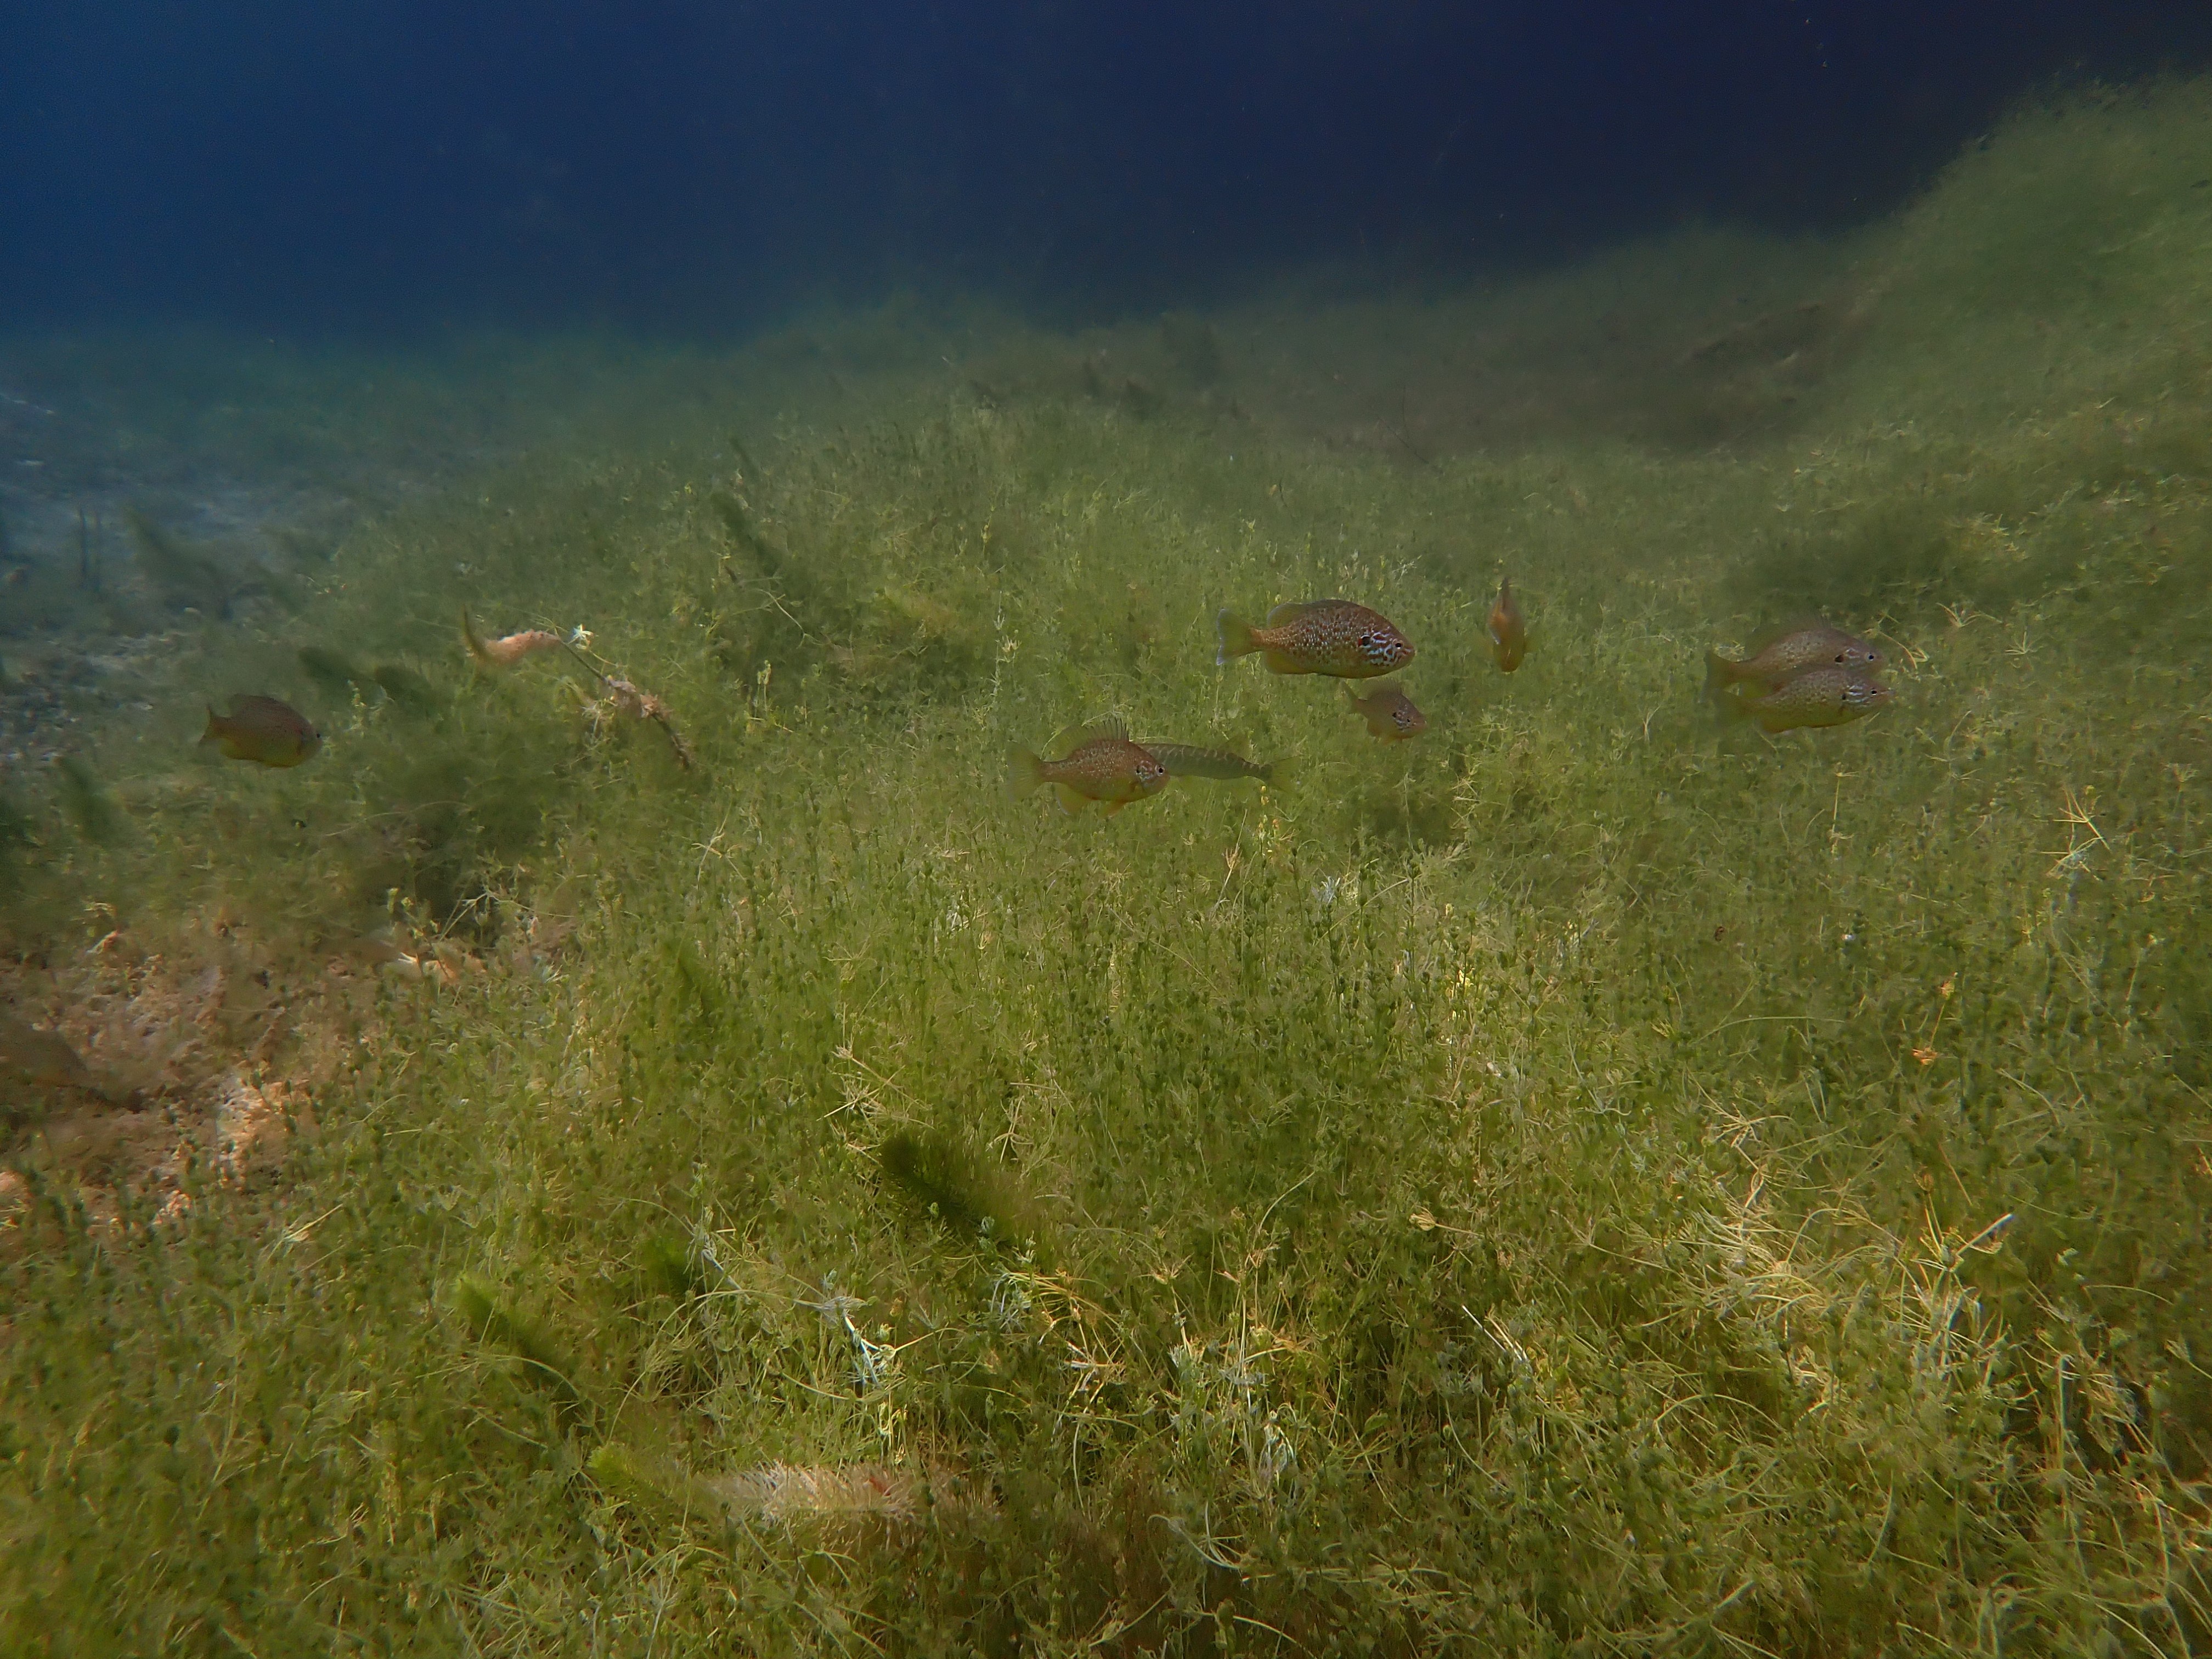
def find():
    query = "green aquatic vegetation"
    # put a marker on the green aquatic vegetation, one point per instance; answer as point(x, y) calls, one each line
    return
point(408, 688)
point(1194, 346)
point(955, 1189)
point(186, 573)
point(1574, 1182)
point(90, 807)
point(39, 598)
point(335, 674)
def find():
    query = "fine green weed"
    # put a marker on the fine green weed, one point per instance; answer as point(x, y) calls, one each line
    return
point(1580, 1183)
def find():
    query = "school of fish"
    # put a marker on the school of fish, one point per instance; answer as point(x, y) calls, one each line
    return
point(1807, 674)
point(1810, 673)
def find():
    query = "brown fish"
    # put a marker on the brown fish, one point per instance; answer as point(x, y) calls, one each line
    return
point(1187, 760)
point(1100, 765)
point(1318, 636)
point(1778, 654)
point(1826, 694)
point(1389, 712)
point(1509, 633)
point(40, 1058)
point(507, 650)
point(263, 730)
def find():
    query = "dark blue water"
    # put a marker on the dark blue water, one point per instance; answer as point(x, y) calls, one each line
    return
point(700, 168)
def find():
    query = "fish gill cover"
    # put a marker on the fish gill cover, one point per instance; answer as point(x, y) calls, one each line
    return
point(635, 1143)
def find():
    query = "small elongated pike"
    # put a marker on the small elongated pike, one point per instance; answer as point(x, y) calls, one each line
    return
point(1189, 760)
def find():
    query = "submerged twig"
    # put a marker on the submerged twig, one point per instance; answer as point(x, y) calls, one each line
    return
point(625, 698)
point(1398, 430)
point(619, 696)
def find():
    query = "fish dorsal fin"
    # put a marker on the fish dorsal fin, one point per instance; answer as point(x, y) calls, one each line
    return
point(1073, 737)
point(1801, 622)
point(1290, 609)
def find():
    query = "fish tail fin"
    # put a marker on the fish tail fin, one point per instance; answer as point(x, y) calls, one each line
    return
point(214, 733)
point(1024, 773)
point(1234, 634)
point(474, 641)
point(1720, 674)
point(1730, 709)
point(1272, 775)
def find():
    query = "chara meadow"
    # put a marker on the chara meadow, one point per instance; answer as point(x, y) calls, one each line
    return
point(635, 1143)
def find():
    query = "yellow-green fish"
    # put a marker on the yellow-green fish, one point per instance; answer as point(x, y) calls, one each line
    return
point(1778, 654)
point(1317, 636)
point(1826, 694)
point(263, 730)
point(1509, 633)
point(1390, 715)
point(1100, 763)
point(1188, 760)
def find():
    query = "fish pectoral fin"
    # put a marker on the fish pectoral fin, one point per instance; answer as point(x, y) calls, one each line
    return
point(1071, 798)
point(1113, 806)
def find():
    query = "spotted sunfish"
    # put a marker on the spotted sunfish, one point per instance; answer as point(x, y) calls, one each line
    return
point(1100, 765)
point(1826, 694)
point(1317, 636)
point(1778, 654)
point(1390, 715)
point(263, 730)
